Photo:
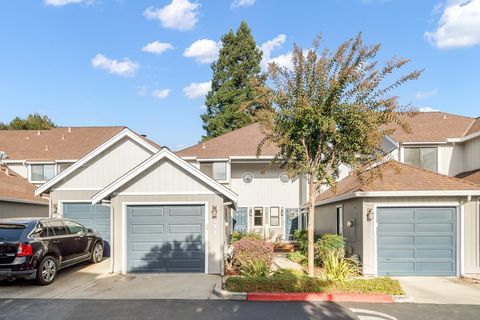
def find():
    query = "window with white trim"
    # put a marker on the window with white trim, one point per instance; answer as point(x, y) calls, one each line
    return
point(274, 216)
point(42, 172)
point(422, 157)
point(258, 217)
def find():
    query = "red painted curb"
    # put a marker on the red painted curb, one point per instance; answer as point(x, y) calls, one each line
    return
point(334, 297)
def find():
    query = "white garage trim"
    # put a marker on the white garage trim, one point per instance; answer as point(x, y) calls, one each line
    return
point(147, 203)
point(459, 206)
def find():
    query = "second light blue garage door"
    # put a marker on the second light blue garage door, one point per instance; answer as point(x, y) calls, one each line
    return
point(165, 238)
point(95, 217)
point(416, 241)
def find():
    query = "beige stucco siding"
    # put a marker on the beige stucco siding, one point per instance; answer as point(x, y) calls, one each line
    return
point(107, 166)
point(22, 210)
point(214, 227)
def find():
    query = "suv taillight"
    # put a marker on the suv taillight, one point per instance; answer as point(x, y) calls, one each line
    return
point(24, 250)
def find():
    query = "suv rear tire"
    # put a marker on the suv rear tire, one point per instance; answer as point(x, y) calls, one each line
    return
point(47, 270)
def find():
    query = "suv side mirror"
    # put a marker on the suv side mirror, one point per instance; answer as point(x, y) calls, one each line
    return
point(90, 230)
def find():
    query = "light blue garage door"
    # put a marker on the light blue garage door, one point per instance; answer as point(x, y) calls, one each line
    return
point(96, 217)
point(416, 241)
point(166, 239)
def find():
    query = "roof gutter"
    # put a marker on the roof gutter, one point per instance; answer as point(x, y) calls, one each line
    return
point(383, 194)
point(466, 138)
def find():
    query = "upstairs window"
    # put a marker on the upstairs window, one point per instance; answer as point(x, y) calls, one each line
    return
point(258, 217)
point(426, 158)
point(219, 170)
point(42, 172)
point(275, 216)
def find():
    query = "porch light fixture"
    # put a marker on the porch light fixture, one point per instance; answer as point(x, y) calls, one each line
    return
point(281, 212)
point(250, 212)
point(369, 214)
point(214, 212)
point(349, 223)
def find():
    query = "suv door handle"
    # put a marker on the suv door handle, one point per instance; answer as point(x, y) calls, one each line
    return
point(56, 241)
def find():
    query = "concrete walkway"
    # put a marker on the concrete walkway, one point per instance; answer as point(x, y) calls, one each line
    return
point(441, 290)
point(280, 261)
point(89, 281)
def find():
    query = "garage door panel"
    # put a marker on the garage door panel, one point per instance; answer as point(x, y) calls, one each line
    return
point(166, 239)
point(396, 227)
point(428, 249)
point(152, 229)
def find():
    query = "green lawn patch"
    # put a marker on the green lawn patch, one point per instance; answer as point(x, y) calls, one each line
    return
point(297, 257)
point(289, 281)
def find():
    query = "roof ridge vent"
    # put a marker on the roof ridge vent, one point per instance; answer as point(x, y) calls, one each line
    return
point(69, 129)
point(63, 137)
point(46, 148)
point(203, 145)
point(28, 138)
point(7, 172)
point(39, 132)
point(444, 116)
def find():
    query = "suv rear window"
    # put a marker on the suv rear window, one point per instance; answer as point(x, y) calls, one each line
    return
point(11, 232)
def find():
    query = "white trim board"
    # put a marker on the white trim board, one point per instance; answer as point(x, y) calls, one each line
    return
point(146, 203)
point(164, 153)
point(383, 194)
point(119, 136)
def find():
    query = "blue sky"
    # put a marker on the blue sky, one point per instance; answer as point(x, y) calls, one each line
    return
point(126, 62)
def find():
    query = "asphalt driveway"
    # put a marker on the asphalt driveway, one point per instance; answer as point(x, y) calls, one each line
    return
point(87, 281)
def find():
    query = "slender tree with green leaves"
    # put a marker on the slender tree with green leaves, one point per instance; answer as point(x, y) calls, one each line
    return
point(237, 67)
point(333, 108)
point(33, 121)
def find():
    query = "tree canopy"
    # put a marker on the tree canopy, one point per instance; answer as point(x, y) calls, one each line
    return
point(333, 108)
point(31, 122)
point(237, 67)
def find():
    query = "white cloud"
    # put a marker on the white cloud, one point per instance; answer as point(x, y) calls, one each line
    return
point(243, 3)
point(428, 109)
point(59, 3)
point(125, 68)
point(203, 51)
point(157, 47)
point(197, 89)
point(459, 25)
point(179, 14)
point(427, 94)
point(161, 93)
point(284, 60)
point(267, 48)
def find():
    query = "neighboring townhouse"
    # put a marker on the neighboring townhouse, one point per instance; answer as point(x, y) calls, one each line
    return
point(156, 212)
point(269, 201)
point(17, 196)
point(420, 218)
point(38, 155)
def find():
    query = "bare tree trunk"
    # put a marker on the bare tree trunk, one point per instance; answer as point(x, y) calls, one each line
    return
point(311, 224)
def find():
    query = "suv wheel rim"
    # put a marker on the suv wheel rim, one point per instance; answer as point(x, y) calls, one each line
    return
point(98, 252)
point(48, 270)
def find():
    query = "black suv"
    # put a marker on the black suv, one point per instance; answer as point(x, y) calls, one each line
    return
point(38, 248)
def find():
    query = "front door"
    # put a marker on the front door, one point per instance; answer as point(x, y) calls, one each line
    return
point(239, 220)
point(291, 222)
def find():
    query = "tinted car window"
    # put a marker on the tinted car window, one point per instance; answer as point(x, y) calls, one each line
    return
point(11, 232)
point(42, 231)
point(58, 227)
point(74, 227)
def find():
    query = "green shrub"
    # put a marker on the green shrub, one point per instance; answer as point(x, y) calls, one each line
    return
point(249, 235)
point(337, 267)
point(256, 269)
point(301, 237)
point(247, 251)
point(328, 243)
point(291, 281)
point(297, 257)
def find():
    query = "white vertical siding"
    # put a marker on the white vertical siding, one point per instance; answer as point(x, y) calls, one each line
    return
point(108, 166)
point(450, 160)
point(471, 156)
point(19, 168)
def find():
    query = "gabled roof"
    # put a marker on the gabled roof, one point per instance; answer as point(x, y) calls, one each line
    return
point(435, 127)
point(242, 142)
point(400, 180)
point(70, 143)
point(163, 154)
point(86, 158)
point(15, 188)
point(470, 176)
point(475, 128)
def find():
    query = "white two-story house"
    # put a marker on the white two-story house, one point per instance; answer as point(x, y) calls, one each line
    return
point(269, 201)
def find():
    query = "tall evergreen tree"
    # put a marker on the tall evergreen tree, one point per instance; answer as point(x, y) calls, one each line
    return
point(228, 103)
point(33, 121)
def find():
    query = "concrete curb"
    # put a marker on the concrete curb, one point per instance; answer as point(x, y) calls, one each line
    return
point(402, 299)
point(228, 295)
point(319, 297)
